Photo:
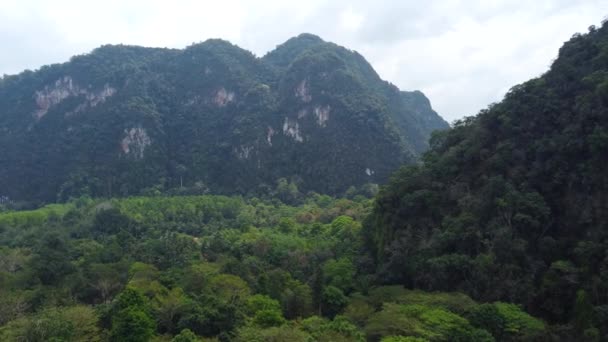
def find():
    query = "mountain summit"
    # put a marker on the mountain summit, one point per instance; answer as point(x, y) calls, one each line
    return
point(126, 119)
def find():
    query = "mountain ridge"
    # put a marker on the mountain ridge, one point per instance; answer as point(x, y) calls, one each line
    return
point(127, 119)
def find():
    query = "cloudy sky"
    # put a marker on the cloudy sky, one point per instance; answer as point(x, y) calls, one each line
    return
point(462, 54)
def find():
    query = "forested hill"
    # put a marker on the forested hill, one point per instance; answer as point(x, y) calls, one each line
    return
point(127, 120)
point(513, 204)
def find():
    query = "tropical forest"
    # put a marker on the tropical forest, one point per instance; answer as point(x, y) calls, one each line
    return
point(207, 194)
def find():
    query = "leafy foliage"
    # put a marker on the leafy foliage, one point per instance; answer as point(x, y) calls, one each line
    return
point(191, 268)
point(510, 205)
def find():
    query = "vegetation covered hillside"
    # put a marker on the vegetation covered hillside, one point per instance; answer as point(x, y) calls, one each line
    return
point(126, 120)
point(512, 204)
point(214, 268)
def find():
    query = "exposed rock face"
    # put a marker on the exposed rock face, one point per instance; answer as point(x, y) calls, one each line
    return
point(322, 114)
point(223, 97)
point(269, 133)
point(243, 152)
point(303, 92)
point(53, 95)
point(64, 88)
point(95, 98)
point(135, 142)
point(291, 128)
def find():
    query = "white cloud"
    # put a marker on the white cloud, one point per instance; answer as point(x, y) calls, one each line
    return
point(462, 54)
point(351, 20)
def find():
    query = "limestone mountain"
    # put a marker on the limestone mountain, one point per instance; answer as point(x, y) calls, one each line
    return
point(125, 119)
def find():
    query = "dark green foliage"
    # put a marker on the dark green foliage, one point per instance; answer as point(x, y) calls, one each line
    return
point(110, 221)
point(133, 325)
point(50, 261)
point(487, 316)
point(126, 120)
point(333, 301)
point(583, 312)
point(131, 319)
point(510, 205)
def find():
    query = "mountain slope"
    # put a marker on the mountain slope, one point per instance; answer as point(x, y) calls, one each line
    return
point(125, 119)
point(512, 204)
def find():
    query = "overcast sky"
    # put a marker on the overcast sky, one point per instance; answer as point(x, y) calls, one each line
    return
point(463, 55)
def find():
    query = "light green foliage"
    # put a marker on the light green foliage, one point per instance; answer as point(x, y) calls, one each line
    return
point(266, 312)
point(260, 302)
point(33, 218)
point(338, 329)
point(78, 323)
point(185, 335)
point(230, 288)
point(518, 323)
point(343, 223)
point(452, 301)
point(433, 324)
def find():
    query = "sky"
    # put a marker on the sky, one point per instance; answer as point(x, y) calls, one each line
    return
point(464, 55)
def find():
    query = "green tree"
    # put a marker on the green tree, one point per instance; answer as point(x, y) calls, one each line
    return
point(51, 260)
point(334, 301)
point(230, 288)
point(76, 323)
point(339, 273)
point(131, 318)
point(186, 335)
point(132, 324)
point(296, 300)
point(265, 311)
point(169, 308)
